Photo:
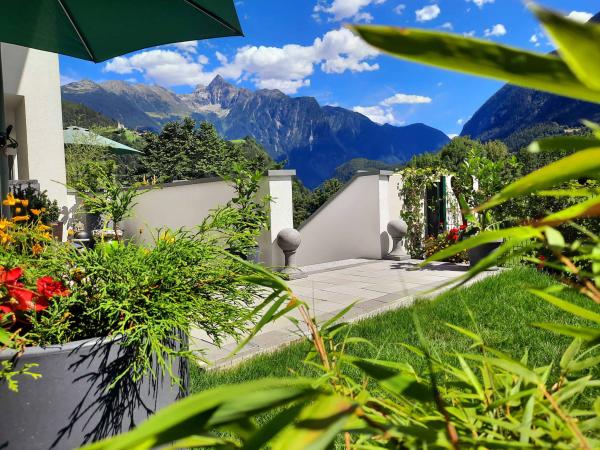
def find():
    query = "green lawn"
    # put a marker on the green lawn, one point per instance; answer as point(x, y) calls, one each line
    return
point(500, 305)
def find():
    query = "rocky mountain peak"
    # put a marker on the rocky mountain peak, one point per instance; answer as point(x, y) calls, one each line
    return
point(81, 86)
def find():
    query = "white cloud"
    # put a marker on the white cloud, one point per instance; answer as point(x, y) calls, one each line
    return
point(481, 3)
point(405, 99)
point(286, 68)
point(345, 9)
point(447, 26)
point(580, 16)
point(377, 114)
point(496, 30)
point(165, 67)
point(452, 135)
point(427, 13)
point(399, 9)
point(460, 121)
point(535, 40)
point(469, 33)
point(384, 112)
point(187, 47)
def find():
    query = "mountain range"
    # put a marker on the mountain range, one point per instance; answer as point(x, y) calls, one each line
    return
point(313, 139)
point(513, 109)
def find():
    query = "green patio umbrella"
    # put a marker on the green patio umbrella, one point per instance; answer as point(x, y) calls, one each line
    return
point(83, 136)
point(97, 30)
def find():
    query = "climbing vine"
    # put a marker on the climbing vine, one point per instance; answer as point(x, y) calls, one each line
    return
point(411, 190)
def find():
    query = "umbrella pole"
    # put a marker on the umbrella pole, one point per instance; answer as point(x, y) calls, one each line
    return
point(3, 137)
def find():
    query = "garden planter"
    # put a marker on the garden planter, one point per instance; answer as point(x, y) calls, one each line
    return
point(71, 405)
point(476, 254)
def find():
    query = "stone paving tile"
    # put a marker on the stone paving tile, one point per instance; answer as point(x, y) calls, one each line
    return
point(375, 286)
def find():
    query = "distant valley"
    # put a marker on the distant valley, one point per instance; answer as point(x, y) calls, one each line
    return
point(313, 139)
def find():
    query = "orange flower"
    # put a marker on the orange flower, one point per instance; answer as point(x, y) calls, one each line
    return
point(4, 224)
point(35, 212)
point(10, 200)
point(21, 218)
point(42, 227)
point(37, 249)
point(25, 203)
point(18, 210)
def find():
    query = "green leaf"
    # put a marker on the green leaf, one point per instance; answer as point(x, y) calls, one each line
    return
point(570, 353)
point(584, 333)
point(207, 410)
point(473, 336)
point(580, 164)
point(567, 306)
point(558, 143)
point(554, 237)
point(196, 441)
point(577, 44)
point(526, 422)
point(521, 233)
point(585, 364)
point(317, 426)
point(478, 57)
point(588, 208)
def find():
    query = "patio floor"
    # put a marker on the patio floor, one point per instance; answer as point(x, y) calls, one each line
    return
point(375, 286)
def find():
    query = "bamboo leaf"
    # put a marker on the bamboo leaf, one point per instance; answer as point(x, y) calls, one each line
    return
point(317, 426)
point(570, 353)
point(478, 57)
point(580, 164)
point(521, 233)
point(567, 306)
point(588, 208)
point(584, 333)
point(558, 143)
point(577, 44)
point(207, 410)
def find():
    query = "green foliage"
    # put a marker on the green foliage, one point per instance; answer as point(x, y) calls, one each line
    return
point(151, 297)
point(252, 211)
point(414, 183)
point(521, 139)
point(76, 114)
point(183, 151)
point(107, 196)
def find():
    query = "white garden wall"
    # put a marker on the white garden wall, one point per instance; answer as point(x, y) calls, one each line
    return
point(352, 224)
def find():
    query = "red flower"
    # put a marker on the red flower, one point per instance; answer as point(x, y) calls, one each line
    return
point(48, 288)
point(463, 227)
point(454, 230)
point(10, 276)
point(26, 300)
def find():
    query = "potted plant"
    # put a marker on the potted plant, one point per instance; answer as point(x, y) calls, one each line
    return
point(111, 200)
point(98, 339)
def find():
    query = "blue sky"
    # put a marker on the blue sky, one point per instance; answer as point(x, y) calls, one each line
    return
point(301, 48)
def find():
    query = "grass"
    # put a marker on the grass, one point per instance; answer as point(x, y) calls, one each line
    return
point(501, 307)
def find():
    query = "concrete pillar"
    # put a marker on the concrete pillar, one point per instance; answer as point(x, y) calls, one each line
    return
point(278, 185)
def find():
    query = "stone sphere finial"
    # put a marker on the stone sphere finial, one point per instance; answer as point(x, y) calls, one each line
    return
point(397, 228)
point(288, 239)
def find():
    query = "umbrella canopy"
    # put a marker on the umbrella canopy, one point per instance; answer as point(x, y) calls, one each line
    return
point(83, 136)
point(97, 30)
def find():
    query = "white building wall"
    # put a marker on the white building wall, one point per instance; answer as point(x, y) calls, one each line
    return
point(33, 107)
point(351, 225)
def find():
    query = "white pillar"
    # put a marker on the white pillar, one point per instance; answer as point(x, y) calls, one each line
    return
point(278, 185)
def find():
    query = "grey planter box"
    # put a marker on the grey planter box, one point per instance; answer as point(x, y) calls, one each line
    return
point(476, 254)
point(71, 405)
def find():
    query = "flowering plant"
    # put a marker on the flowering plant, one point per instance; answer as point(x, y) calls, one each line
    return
point(17, 301)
